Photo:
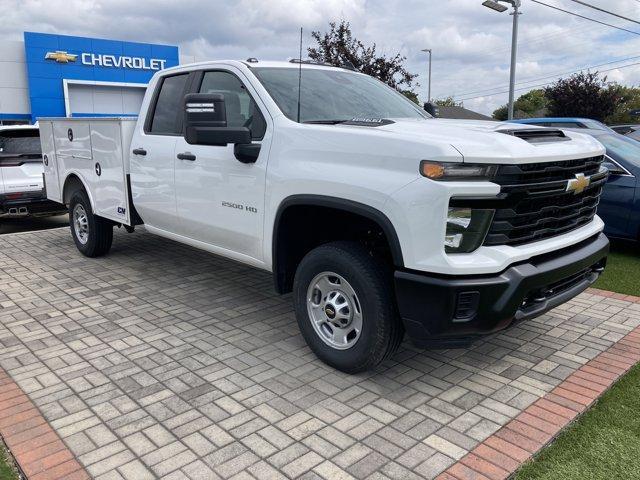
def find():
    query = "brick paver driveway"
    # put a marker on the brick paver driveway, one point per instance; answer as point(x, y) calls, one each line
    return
point(160, 360)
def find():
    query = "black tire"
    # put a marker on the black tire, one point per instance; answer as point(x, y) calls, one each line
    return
point(382, 330)
point(99, 232)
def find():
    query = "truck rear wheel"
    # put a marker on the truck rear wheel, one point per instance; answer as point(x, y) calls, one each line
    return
point(92, 235)
point(345, 307)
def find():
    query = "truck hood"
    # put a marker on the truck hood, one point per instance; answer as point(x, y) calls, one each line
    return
point(485, 141)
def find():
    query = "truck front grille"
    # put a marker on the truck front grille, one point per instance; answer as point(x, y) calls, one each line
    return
point(535, 202)
point(533, 173)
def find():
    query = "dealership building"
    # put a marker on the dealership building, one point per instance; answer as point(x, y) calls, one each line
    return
point(49, 75)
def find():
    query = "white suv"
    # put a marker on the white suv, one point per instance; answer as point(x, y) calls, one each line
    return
point(21, 186)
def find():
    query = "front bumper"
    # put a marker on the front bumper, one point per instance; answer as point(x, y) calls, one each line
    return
point(450, 311)
point(29, 204)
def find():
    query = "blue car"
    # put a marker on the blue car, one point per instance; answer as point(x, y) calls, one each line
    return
point(620, 202)
point(574, 123)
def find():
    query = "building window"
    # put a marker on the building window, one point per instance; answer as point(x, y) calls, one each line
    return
point(14, 122)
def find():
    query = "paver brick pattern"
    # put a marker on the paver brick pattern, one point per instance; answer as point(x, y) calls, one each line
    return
point(161, 361)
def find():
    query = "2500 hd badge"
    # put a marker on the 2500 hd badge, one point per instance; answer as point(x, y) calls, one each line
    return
point(239, 206)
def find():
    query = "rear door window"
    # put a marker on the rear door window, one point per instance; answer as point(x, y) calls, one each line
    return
point(20, 142)
point(168, 106)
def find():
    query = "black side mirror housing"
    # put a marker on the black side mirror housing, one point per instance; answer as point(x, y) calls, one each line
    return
point(614, 169)
point(247, 153)
point(205, 121)
point(432, 109)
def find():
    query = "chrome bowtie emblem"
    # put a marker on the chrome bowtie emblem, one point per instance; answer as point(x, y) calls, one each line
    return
point(61, 56)
point(578, 184)
point(331, 313)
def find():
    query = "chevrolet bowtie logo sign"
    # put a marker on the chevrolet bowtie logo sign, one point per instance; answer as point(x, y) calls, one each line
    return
point(578, 184)
point(108, 61)
point(60, 56)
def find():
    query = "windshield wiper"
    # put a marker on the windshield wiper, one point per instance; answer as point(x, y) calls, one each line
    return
point(325, 122)
point(357, 121)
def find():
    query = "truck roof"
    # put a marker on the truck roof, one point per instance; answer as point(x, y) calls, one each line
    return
point(18, 127)
point(251, 63)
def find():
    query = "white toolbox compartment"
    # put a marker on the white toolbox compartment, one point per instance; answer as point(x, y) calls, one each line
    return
point(96, 150)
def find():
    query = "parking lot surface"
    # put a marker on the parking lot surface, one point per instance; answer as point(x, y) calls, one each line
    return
point(163, 361)
point(14, 225)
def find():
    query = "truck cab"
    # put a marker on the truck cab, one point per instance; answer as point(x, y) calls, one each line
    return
point(379, 219)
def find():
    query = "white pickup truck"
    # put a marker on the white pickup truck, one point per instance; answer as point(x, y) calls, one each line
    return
point(380, 219)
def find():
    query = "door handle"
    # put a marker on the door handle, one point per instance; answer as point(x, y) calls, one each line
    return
point(187, 156)
point(139, 151)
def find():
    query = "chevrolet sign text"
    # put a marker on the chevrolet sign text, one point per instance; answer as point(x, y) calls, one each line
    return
point(119, 61)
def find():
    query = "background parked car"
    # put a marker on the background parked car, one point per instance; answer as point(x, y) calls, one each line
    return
point(632, 131)
point(620, 202)
point(21, 185)
point(565, 122)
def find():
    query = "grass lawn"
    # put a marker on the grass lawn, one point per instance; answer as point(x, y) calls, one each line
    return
point(622, 274)
point(7, 472)
point(603, 444)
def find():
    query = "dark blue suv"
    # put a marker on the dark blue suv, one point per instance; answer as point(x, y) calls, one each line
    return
point(620, 202)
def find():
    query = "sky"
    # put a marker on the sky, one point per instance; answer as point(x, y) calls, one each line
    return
point(470, 43)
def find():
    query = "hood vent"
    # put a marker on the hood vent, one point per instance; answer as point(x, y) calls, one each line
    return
point(538, 135)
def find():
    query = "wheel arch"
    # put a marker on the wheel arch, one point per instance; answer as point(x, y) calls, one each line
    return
point(282, 274)
point(72, 183)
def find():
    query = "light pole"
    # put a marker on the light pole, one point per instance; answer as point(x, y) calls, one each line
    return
point(428, 50)
point(495, 5)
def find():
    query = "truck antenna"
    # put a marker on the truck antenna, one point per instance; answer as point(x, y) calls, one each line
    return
point(300, 75)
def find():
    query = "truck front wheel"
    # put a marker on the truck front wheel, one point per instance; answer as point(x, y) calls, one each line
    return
point(345, 307)
point(92, 234)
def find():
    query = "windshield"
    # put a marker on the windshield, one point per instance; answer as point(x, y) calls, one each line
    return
point(621, 148)
point(20, 142)
point(596, 125)
point(334, 95)
point(635, 135)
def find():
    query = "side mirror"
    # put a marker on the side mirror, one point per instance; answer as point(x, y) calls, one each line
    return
point(205, 121)
point(432, 109)
point(613, 167)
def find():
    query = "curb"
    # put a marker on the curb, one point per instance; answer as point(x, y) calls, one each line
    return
point(615, 296)
point(503, 453)
point(37, 449)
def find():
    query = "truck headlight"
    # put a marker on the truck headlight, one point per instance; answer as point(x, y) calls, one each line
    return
point(466, 229)
point(457, 171)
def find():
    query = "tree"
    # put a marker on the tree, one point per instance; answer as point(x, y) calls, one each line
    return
point(501, 113)
point(584, 95)
point(338, 47)
point(631, 101)
point(531, 104)
point(448, 102)
point(411, 95)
